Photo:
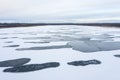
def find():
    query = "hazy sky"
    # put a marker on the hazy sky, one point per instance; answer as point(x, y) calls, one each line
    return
point(26, 10)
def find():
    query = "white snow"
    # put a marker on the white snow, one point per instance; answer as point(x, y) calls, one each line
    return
point(57, 36)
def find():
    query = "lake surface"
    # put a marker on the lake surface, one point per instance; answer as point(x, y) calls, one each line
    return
point(45, 52)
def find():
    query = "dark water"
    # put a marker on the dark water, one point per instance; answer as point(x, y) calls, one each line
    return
point(84, 63)
point(14, 62)
point(32, 67)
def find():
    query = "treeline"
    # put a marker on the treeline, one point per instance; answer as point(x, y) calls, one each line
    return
point(8, 25)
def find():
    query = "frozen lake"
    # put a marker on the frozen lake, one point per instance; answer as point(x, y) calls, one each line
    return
point(60, 53)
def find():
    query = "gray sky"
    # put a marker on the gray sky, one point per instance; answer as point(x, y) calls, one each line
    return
point(47, 10)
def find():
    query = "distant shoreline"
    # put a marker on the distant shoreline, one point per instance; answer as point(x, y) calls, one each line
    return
point(10, 25)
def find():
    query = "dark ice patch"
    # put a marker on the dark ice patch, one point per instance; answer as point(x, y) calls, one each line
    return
point(14, 62)
point(4, 38)
point(3, 33)
point(32, 67)
point(44, 47)
point(9, 42)
point(33, 38)
point(84, 63)
point(8, 37)
point(13, 37)
point(117, 55)
point(12, 46)
point(37, 42)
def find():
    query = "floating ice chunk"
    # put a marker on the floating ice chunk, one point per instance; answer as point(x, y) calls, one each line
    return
point(94, 46)
point(84, 46)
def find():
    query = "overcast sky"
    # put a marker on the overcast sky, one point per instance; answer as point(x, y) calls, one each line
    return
point(34, 10)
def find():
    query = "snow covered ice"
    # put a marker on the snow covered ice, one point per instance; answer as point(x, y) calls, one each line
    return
point(61, 45)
